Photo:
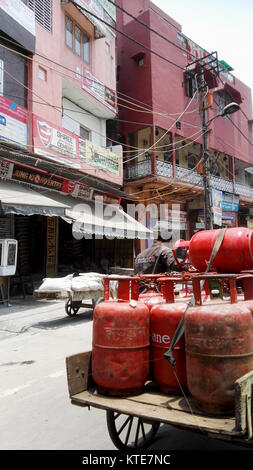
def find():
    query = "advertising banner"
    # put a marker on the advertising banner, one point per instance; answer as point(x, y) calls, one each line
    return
point(13, 123)
point(54, 142)
point(230, 202)
point(99, 157)
point(62, 146)
point(96, 88)
point(217, 206)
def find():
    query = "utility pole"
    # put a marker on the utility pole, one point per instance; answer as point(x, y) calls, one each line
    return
point(208, 216)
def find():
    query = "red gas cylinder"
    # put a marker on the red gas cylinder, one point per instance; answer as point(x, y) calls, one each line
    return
point(121, 345)
point(164, 321)
point(235, 254)
point(151, 296)
point(219, 350)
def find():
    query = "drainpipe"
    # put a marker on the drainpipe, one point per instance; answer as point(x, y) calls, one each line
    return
point(153, 157)
point(232, 171)
point(173, 155)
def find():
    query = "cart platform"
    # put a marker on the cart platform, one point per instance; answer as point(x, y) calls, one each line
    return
point(155, 406)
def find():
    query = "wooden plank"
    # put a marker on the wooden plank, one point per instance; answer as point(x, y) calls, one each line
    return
point(155, 412)
point(244, 404)
point(78, 372)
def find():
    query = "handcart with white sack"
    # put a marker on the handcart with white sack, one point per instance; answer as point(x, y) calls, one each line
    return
point(82, 290)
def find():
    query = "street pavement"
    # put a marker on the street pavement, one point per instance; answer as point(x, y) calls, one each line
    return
point(36, 413)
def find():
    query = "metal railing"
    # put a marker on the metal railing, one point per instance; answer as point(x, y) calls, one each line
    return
point(144, 168)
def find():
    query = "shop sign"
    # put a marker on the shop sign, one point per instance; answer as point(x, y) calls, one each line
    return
point(37, 178)
point(196, 52)
point(200, 222)
point(99, 157)
point(62, 146)
point(250, 222)
point(228, 219)
point(13, 123)
point(177, 219)
point(217, 206)
point(54, 142)
point(230, 202)
point(81, 191)
point(6, 169)
point(96, 88)
point(106, 198)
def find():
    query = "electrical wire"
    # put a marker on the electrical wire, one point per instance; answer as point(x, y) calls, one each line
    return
point(127, 36)
point(168, 130)
point(136, 156)
point(77, 111)
point(148, 27)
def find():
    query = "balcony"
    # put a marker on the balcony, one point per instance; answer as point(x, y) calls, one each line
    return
point(244, 190)
point(143, 169)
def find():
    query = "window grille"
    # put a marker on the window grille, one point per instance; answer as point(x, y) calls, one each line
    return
point(43, 12)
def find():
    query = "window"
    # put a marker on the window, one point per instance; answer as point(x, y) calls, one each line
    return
point(84, 133)
point(86, 48)
point(43, 12)
point(13, 69)
point(77, 40)
point(42, 73)
point(68, 32)
point(190, 84)
point(222, 100)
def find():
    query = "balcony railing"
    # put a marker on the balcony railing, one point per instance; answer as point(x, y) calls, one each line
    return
point(244, 190)
point(143, 168)
point(139, 169)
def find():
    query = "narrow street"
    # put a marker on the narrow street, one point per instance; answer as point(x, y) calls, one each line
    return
point(36, 413)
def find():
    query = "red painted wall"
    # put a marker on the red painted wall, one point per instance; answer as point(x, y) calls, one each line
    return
point(160, 84)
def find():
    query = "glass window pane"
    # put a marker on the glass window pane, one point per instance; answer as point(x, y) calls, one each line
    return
point(77, 46)
point(86, 48)
point(69, 26)
point(84, 133)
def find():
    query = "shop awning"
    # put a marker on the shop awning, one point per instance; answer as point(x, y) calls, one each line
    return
point(18, 199)
point(107, 220)
point(92, 218)
point(234, 94)
point(87, 217)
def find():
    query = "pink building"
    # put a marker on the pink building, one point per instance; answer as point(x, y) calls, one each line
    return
point(157, 71)
point(58, 90)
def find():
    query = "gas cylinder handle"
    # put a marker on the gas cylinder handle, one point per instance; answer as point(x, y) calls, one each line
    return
point(231, 278)
point(182, 244)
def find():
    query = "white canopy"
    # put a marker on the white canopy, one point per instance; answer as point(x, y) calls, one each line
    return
point(19, 199)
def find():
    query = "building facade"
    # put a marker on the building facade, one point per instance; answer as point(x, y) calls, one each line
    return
point(161, 127)
point(58, 90)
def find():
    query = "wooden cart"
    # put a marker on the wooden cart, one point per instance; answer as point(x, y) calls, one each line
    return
point(133, 422)
point(75, 299)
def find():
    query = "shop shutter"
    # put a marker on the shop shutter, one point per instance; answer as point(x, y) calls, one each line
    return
point(5, 227)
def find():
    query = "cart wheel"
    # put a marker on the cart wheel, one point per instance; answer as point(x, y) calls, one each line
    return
point(130, 432)
point(71, 309)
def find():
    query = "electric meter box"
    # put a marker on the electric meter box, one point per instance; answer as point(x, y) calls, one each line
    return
point(8, 256)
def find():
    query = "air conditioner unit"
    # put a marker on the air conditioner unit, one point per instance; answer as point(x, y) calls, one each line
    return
point(8, 256)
